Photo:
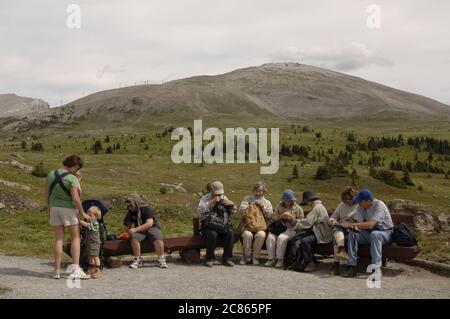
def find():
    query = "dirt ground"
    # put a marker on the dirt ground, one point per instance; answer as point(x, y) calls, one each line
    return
point(28, 277)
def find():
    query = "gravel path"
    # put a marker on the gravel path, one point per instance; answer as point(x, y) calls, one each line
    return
point(29, 277)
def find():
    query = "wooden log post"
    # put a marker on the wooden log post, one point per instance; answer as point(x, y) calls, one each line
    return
point(195, 225)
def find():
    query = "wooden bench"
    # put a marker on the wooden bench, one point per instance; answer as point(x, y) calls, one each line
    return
point(189, 247)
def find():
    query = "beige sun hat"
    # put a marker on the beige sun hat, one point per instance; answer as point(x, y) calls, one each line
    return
point(217, 188)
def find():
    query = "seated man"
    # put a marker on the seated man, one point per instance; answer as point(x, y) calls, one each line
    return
point(217, 204)
point(141, 223)
point(373, 226)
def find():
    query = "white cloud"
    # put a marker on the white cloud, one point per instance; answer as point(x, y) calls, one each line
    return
point(349, 58)
point(160, 40)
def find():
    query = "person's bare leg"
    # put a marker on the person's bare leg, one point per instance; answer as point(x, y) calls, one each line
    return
point(59, 241)
point(75, 247)
point(340, 238)
point(159, 247)
point(135, 247)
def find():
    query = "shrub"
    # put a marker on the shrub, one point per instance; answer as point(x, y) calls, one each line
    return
point(39, 170)
point(37, 147)
point(407, 179)
point(322, 173)
point(388, 177)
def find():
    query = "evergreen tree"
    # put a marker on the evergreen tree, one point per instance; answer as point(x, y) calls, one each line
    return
point(407, 179)
point(354, 176)
point(295, 172)
point(97, 147)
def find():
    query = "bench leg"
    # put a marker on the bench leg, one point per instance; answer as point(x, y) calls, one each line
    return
point(190, 256)
point(384, 262)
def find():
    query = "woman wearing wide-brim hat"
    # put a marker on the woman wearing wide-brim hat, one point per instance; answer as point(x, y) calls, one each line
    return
point(314, 228)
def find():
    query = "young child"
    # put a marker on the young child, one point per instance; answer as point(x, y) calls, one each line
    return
point(93, 241)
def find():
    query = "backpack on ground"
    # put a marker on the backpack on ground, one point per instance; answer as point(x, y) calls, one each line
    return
point(403, 236)
point(294, 258)
point(253, 219)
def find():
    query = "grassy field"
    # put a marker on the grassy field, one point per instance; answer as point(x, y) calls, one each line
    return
point(143, 162)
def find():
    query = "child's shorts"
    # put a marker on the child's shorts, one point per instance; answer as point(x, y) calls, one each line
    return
point(93, 244)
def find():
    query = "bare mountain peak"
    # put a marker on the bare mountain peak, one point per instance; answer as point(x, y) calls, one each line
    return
point(272, 90)
point(13, 105)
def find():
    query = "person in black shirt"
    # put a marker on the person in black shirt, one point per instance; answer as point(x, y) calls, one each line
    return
point(140, 222)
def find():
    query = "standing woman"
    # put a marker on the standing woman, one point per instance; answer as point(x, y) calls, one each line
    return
point(62, 198)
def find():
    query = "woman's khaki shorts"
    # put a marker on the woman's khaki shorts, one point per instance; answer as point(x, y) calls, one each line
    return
point(60, 216)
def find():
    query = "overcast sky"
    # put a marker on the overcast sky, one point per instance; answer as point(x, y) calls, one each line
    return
point(123, 42)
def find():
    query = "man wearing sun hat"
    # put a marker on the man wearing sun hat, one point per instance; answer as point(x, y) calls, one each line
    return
point(373, 226)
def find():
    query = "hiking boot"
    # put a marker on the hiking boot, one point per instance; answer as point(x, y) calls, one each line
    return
point(342, 255)
point(228, 263)
point(209, 263)
point(255, 261)
point(334, 269)
point(96, 273)
point(311, 267)
point(270, 263)
point(79, 273)
point(280, 263)
point(162, 263)
point(90, 270)
point(351, 272)
point(137, 263)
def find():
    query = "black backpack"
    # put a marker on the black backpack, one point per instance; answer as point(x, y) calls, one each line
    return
point(277, 227)
point(294, 257)
point(403, 236)
point(218, 218)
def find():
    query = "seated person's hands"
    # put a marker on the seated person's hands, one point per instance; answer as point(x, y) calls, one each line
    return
point(353, 228)
point(228, 202)
point(333, 222)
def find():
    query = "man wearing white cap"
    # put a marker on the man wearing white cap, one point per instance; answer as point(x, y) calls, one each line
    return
point(215, 211)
